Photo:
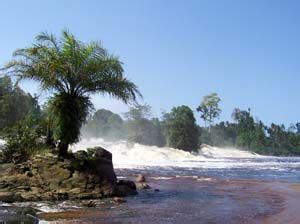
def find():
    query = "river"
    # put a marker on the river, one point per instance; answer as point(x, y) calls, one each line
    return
point(214, 185)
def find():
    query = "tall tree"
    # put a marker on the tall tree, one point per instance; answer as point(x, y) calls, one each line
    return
point(181, 129)
point(105, 124)
point(209, 108)
point(15, 104)
point(72, 71)
point(141, 128)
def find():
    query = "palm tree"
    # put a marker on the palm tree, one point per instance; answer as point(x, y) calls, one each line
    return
point(71, 71)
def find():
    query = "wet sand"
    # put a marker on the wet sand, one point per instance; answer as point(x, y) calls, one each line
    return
point(190, 200)
point(291, 211)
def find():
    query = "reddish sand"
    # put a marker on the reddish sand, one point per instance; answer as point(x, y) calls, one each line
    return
point(291, 212)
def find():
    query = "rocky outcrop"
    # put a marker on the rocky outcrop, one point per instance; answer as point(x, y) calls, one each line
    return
point(87, 175)
point(140, 182)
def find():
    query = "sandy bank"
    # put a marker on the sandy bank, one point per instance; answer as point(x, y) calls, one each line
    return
point(291, 210)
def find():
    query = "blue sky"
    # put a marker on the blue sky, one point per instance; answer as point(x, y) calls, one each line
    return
point(179, 51)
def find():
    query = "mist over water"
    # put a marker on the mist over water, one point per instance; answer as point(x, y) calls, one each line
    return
point(211, 161)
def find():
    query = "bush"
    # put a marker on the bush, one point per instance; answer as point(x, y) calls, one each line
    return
point(22, 141)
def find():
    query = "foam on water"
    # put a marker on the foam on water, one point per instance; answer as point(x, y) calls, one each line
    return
point(216, 152)
point(2, 143)
point(133, 155)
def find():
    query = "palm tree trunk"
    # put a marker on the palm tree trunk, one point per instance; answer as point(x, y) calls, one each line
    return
point(63, 149)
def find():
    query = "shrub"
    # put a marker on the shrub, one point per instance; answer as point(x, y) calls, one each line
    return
point(21, 141)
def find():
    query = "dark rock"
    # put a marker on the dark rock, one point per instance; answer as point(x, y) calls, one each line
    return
point(99, 152)
point(97, 161)
point(140, 178)
point(156, 190)
point(29, 173)
point(7, 196)
point(126, 187)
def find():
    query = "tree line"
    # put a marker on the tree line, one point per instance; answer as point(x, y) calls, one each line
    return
point(178, 129)
point(21, 113)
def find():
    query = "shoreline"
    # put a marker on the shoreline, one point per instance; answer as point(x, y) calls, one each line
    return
point(279, 200)
point(194, 199)
point(290, 213)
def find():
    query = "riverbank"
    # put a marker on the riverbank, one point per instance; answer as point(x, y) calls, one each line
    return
point(290, 212)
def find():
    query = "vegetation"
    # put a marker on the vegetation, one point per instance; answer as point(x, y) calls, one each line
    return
point(143, 129)
point(139, 126)
point(15, 103)
point(250, 134)
point(71, 70)
point(25, 137)
point(181, 129)
point(243, 132)
point(209, 108)
point(104, 123)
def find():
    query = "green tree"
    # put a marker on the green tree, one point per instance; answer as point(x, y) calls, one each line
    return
point(181, 129)
point(209, 108)
point(105, 124)
point(72, 71)
point(142, 128)
point(15, 104)
point(245, 127)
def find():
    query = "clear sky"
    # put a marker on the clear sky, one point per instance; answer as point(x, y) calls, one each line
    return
point(178, 51)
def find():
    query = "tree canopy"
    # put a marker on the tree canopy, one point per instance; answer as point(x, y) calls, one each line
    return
point(181, 129)
point(209, 108)
point(15, 104)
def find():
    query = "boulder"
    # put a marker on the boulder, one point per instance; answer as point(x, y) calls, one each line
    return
point(126, 187)
point(7, 196)
point(99, 152)
point(96, 160)
point(140, 178)
point(85, 175)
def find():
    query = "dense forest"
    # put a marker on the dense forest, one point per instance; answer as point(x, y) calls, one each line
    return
point(178, 129)
point(20, 113)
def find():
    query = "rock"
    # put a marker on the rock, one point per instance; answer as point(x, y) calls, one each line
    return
point(29, 173)
point(119, 200)
point(85, 175)
point(9, 197)
point(126, 187)
point(100, 152)
point(127, 183)
point(96, 160)
point(156, 190)
point(140, 178)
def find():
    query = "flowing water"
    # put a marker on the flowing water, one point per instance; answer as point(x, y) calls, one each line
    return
point(213, 185)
